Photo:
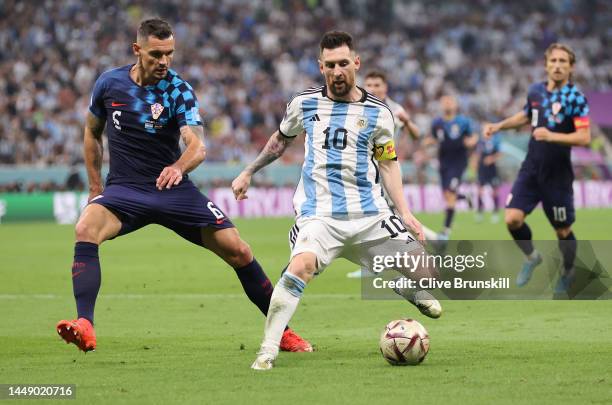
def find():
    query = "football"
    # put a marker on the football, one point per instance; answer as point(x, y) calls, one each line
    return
point(404, 342)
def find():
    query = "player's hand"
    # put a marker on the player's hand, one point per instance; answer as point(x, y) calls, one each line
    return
point(415, 226)
point(488, 160)
point(489, 129)
point(170, 176)
point(542, 134)
point(240, 185)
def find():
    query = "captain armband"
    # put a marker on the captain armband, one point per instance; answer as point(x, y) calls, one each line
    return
point(581, 122)
point(385, 152)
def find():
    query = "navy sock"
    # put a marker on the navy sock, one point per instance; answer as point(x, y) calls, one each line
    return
point(256, 285)
point(522, 237)
point(495, 201)
point(480, 204)
point(86, 278)
point(568, 250)
point(448, 219)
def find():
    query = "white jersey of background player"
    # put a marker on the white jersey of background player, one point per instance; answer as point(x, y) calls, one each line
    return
point(376, 83)
point(340, 208)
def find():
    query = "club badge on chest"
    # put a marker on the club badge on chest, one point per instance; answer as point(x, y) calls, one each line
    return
point(156, 110)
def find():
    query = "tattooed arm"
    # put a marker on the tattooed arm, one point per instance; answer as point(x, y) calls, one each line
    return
point(276, 146)
point(92, 152)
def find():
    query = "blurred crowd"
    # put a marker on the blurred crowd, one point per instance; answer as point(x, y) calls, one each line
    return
point(246, 58)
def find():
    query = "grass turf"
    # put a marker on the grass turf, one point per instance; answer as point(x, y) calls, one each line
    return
point(174, 326)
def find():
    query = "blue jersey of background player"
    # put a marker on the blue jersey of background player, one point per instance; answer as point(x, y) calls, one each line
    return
point(146, 108)
point(488, 153)
point(455, 138)
point(558, 113)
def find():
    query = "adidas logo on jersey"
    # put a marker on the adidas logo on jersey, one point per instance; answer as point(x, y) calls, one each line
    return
point(315, 118)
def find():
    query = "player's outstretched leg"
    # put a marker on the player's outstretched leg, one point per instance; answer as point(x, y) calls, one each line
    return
point(85, 284)
point(257, 286)
point(568, 246)
point(283, 304)
point(520, 231)
point(96, 225)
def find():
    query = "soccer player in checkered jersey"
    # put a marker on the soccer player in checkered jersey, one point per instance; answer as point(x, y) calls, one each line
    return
point(146, 108)
point(559, 116)
point(340, 209)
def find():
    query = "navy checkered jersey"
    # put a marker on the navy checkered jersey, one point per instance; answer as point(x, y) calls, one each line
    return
point(563, 110)
point(488, 147)
point(451, 135)
point(142, 122)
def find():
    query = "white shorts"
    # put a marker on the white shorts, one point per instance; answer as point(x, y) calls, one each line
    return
point(357, 240)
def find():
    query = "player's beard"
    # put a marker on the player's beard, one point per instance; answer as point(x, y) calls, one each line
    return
point(340, 88)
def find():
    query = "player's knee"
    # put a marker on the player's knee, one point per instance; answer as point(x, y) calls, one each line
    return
point(513, 221)
point(239, 255)
point(303, 268)
point(87, 232)
point(563, 233)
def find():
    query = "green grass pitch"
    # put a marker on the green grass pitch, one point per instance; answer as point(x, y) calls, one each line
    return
point(174, 326)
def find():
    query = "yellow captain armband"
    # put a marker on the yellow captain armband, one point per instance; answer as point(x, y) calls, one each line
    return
point(385, 152)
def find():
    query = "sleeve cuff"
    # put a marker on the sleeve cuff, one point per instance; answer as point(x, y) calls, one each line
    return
point(283, 134)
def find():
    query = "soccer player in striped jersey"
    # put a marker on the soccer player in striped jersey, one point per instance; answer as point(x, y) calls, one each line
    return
point(146, 109)
point(340, 209)
point(559, 117)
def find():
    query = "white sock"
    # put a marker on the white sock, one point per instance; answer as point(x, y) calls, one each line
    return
point(429, 234)
point(284, 302)
point(533, 255)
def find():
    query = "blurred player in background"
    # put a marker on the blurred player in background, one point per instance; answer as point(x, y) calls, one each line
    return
point(146, 108)
point(559, 116)
point(455, 137)
point(488, 153)
point(340, 211)
point(376, 83)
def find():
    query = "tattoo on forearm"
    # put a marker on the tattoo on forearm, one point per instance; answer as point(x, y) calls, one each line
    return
point(273, 150)
point(95, 125)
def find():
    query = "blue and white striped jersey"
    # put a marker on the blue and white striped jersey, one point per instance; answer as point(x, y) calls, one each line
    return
point(340, 175)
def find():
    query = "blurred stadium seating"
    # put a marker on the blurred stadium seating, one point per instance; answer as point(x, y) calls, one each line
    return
point(246, 58)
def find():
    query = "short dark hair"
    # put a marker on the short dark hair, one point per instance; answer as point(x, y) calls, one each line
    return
point(336, 39)
point(155, 27)
point(376, 74)
point(563, 47)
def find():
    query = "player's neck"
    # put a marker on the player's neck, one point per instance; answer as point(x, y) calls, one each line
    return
point(553, 85)
point(139, 77)
point(449, 117)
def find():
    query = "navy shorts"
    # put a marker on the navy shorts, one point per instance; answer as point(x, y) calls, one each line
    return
point(488, 175)
point(557, 200)
point(181, 208)
point(450, 177)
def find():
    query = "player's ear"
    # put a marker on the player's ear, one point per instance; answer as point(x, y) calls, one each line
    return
point(136, 49)
point(320, 65)
point(357, 62)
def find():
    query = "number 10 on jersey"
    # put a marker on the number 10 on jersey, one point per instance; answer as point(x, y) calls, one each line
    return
point(337, 140)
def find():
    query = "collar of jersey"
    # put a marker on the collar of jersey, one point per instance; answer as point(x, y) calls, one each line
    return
point(361, 100)
point(568, 85)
